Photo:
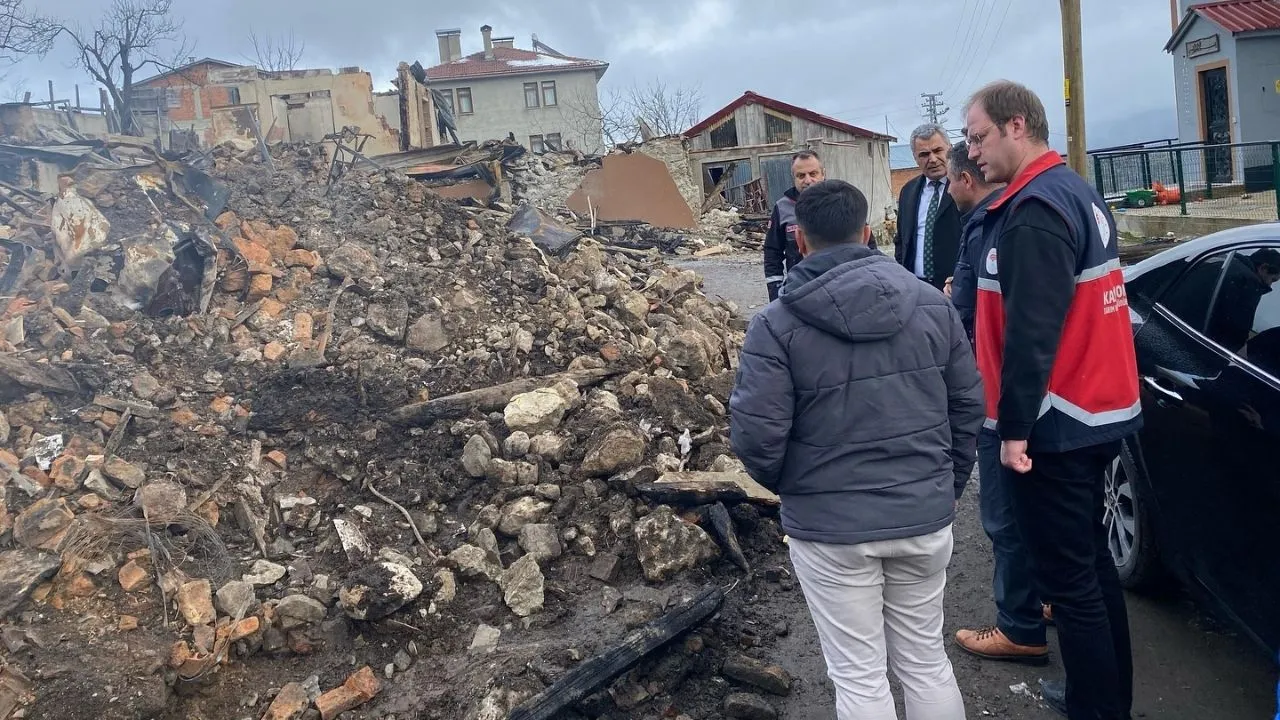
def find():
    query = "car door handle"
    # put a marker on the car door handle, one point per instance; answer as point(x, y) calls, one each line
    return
point(1162, 392)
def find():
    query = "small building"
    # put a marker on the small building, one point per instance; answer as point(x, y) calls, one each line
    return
point(544, 98)
point(902, 167)
point(754, 137)
point(221, 101)
point(1226, 58)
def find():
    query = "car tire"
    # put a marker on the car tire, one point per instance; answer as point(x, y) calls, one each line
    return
point(1138, 561)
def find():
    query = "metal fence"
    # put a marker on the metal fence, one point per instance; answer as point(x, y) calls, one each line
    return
point(1238, 181)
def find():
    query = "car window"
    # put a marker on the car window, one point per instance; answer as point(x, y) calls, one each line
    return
point(1189, 298)
point(1246, 314)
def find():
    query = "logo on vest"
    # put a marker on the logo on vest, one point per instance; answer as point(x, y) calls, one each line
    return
point(1114, 299)
point(991, 261)
point(1104, 227)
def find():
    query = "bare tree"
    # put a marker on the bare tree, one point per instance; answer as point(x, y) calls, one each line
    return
point(623, 116)
point(130, 36)
point(23, 33)
point(276, 53)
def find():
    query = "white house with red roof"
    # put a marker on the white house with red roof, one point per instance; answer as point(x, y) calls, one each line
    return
point(546, 99)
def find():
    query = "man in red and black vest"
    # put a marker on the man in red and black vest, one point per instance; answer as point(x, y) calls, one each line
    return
point(1055, 349)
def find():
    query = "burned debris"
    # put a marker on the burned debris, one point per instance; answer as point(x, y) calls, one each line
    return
point(275, 439)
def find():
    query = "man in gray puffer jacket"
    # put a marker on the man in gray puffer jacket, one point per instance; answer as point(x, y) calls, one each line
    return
point(859, 402)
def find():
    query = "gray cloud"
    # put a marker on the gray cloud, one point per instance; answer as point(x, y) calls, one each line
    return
point(859, 60)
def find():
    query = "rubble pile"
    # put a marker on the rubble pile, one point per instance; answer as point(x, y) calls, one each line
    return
point(359, 449)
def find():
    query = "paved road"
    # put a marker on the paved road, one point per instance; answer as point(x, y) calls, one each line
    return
point(1187, 667)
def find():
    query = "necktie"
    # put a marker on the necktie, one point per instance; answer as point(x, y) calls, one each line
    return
point(935, 186)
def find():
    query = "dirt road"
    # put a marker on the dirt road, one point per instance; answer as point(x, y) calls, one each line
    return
point(1187, 667)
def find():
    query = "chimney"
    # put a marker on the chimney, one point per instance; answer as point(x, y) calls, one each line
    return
point(504, 42)
point(450, 45)
point(487, 32)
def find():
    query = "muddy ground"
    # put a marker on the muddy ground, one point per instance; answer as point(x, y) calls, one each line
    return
point(1188, 666)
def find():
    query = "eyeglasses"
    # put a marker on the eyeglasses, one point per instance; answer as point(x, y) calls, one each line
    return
point(976, 139)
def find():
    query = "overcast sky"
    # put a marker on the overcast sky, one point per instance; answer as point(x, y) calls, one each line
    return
point(858, 60)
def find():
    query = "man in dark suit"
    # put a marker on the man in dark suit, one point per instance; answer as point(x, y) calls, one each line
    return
point(928, 237)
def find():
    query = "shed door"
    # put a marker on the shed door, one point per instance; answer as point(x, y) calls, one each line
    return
point(777, 176)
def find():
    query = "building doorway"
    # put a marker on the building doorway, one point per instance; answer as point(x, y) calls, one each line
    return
point(1215, 101)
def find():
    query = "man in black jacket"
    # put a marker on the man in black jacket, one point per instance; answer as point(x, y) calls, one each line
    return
point(928, 234)
point(1055, 347)
point(780, 251)
point(1019, 631)
point(857, 400)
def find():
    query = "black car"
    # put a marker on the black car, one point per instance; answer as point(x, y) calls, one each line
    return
point(1196, 492)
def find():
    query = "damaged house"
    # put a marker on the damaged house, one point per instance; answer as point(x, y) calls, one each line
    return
point(219, 101)
point(753, 138)
point(543, 98)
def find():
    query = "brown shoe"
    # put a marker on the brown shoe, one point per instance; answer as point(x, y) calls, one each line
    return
point(992, 644)
point(1046, 611)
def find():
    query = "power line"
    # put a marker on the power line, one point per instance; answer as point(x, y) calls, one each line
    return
point(947, 63)
point(964, 78)
point(965, 50)
point(934, 107)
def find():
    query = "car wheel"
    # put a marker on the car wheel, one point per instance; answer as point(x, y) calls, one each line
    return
point(1130, 536)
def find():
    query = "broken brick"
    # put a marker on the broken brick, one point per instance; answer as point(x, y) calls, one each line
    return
point(184, 417)
point(221, 404)
point(245, 628)
point(66, 471)
point(290, 704)
point(128, 622)
point(271, 308)
point(44, 524)
point(277, 458)
point(308, 259)
point(259, 286)
point(359, 689)
point(133, 577)
point(195, 601)
point(273, 351)
point(303, 327)
point(179, 654)
point(257, 256)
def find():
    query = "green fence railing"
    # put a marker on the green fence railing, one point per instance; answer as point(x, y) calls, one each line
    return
point(1237, 181)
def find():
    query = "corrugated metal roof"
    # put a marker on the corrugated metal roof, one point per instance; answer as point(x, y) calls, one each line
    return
point(1242, 15)
point(509, 61)
point(750, 97)
point(1234, 16)
point(901, 157)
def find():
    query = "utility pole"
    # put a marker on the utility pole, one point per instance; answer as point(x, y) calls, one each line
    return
point(1073, 87)
point(935, 109)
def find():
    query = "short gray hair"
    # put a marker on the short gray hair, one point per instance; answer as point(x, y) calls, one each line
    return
point(927, 131)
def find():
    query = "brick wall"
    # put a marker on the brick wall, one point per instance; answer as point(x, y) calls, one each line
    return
point(187, 83)
point(898, 178)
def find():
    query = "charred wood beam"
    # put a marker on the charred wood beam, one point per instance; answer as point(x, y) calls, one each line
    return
point(491, 398)
point(603, 669)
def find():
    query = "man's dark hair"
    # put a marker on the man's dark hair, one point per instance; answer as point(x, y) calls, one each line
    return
point(959, 162)
point(1004, 100)
point(1267, 256)
point(831, 212)
point(805, 155)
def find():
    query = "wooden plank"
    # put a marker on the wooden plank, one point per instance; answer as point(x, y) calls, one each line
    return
point(687, 493)
point(604, 668)
point(491, 398)
point(723, 526)
point(755, 492)
point(38, 376)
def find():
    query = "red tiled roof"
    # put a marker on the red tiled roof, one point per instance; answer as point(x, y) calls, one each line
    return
point(749, 97)
point(509, 61)
point(1234, 16)
point(1242, 15)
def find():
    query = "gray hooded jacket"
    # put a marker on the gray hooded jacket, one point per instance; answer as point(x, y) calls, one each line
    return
point(858, 401)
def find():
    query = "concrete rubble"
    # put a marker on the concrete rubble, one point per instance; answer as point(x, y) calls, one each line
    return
point(323, 451)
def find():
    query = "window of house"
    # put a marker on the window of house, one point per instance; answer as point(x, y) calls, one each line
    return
point(173, 97)
point(549, 93)
point(777, 129)
point(537, 144)
point(233, 96)
point(552, 141)
point(448, 96)
point(531, 95)
point(464, 101)
point(726, 135)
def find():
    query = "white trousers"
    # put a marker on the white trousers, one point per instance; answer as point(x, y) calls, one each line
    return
point(879, 598)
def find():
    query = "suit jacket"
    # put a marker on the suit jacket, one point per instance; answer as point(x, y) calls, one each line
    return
point(946, 232)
